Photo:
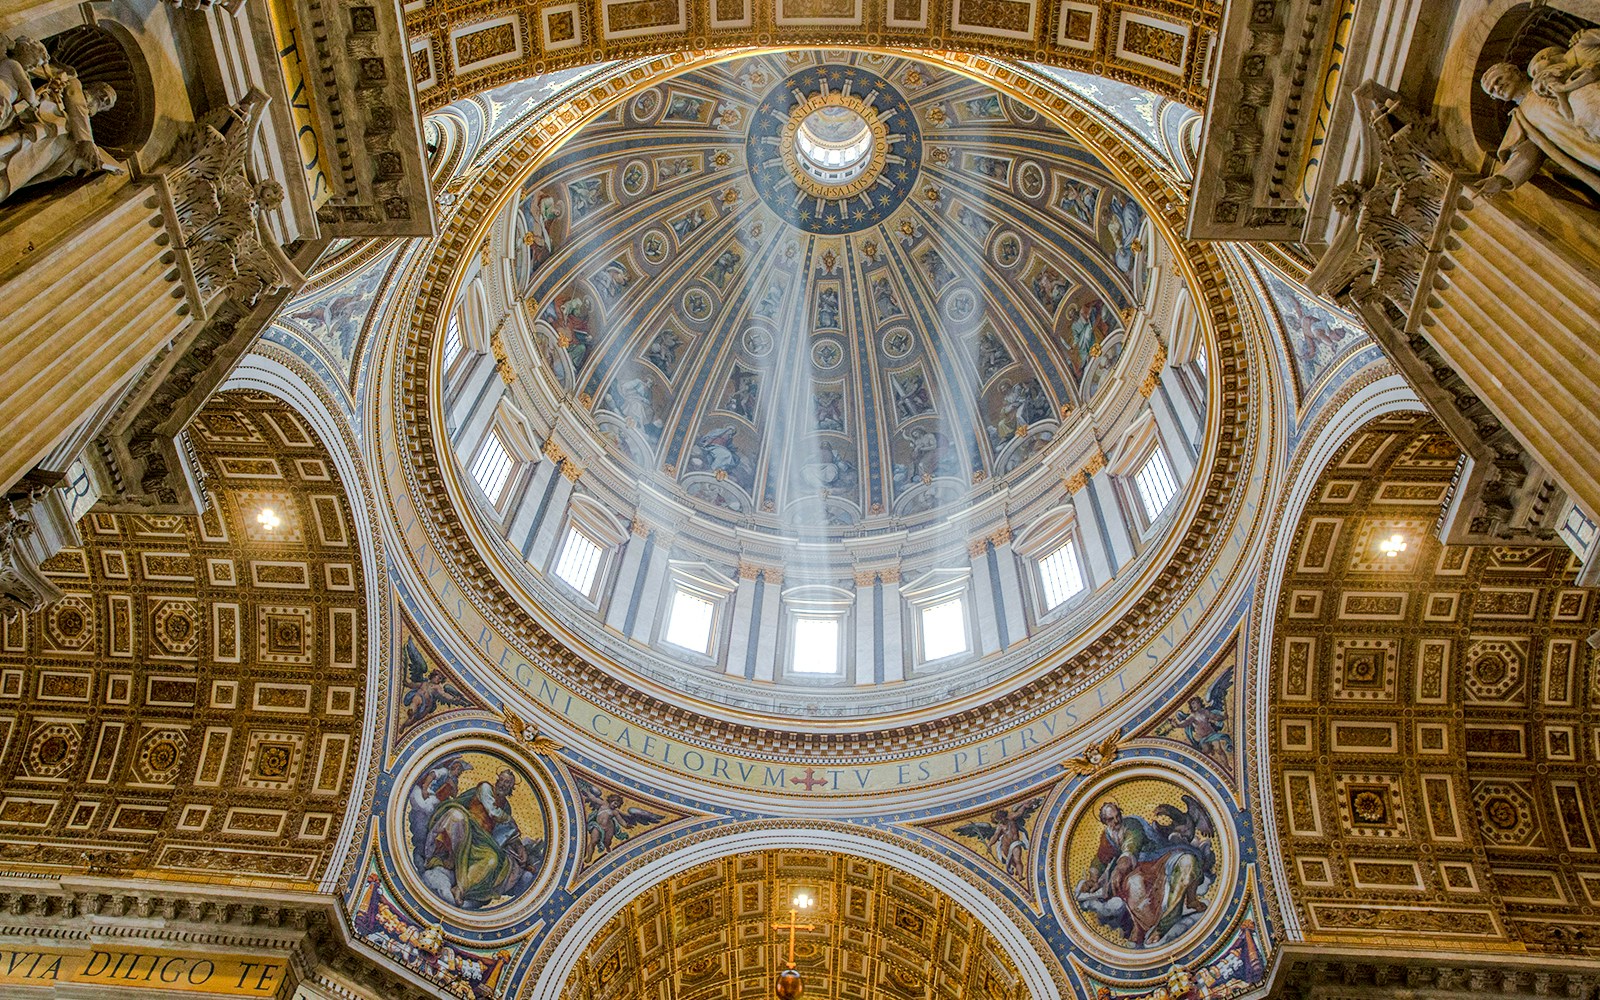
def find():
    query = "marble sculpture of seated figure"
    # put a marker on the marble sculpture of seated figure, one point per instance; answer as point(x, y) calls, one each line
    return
point(1569, 77)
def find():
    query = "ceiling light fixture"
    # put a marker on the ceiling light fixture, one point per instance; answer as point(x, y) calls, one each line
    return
point(1393, 546)
point(268, 519)
point(789, 985)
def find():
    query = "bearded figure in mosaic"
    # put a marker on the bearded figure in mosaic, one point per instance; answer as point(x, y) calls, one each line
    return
point(469, 848)
point(1147, 877)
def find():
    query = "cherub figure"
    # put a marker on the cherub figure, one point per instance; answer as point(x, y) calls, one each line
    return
point(1006, 836)
point(1205, 723)
point(1567, 77)
point(608, 822)
point(18, 100)
point(428, 689)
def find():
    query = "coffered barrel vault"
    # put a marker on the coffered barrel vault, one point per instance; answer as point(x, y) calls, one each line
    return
point(458, 48)
point(191, 708)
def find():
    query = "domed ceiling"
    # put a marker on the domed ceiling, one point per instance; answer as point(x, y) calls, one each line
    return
point(827, 290)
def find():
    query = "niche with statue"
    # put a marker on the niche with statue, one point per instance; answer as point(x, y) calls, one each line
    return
point(72, 105)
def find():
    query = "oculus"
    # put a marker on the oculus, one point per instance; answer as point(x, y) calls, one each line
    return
point(833, 149)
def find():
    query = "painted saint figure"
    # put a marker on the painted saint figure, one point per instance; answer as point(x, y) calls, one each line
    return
point(1145, 881)
point(467, 846)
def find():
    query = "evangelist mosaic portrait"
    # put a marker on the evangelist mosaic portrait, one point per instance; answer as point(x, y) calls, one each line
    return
point(1143, 864)
point(476, 829)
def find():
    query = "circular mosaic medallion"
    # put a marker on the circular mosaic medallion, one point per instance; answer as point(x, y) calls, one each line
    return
point(476, 829)
point(1146, 864)
point(646, 105)
point(833, 149)
point(1007, 250)
point(961, 305)
point(757, 342)
point(1030, 179)
point(826, 354)
point(634, 177)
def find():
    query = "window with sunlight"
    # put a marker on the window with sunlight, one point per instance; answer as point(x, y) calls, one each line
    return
point(944, 629)
point(816, 645)
point(1156, 484)
point(1061, 575)
point(579, 561)
point(452, 341)
point(492, 468)
point(689, 622)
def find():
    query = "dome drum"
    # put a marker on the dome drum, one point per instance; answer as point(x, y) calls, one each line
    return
point(776, 396)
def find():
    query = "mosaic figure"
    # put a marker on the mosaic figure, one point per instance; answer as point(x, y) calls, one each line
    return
point(993, 355)
point(828, 408)
point(828, 309)
point(607, 820)
point(1078, 200)
point(883, 298)
point(1050, 288)
point(1124, 221)
point(911, 396)
point(1005, 836)
point(428, 690)
point(1147, 875)
point(586, 195)
point(664, 351)
point(744, 392)
point(1205, 722)
point(470, 843)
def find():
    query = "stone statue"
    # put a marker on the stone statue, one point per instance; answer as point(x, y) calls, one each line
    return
point(18, 99)
point(46, 133)
point(1540, 129)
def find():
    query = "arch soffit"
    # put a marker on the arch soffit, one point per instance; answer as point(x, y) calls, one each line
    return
point(1365, 401)
point(1237, 410)
point(1501, 630)
point(459, 48)
point(1042, 974)
point(274, 371)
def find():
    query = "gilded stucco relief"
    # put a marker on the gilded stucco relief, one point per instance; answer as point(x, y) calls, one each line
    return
point(192, 708)
point(1427, 732)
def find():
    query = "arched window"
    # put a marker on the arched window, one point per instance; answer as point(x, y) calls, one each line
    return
point(941, 622)
point(1144, 473)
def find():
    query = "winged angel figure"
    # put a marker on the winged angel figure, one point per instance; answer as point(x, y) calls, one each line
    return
point(1005, 835)
point(1205, 723)
point(427, 689)
point(608, 821)
point(219, 207)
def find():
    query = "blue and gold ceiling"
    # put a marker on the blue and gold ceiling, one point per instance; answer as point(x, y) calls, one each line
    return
point(827, 356)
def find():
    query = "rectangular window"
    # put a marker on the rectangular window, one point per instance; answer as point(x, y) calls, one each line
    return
point(492, 468)
point(1156, 485)
point(452, 341)
point(1200, 361)
point(579, 561)
point(816, 645)
point(689, 622)
point(1059, 572)
point(944, 629)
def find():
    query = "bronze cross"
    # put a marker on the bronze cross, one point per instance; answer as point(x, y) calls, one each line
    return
point(791, 927)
